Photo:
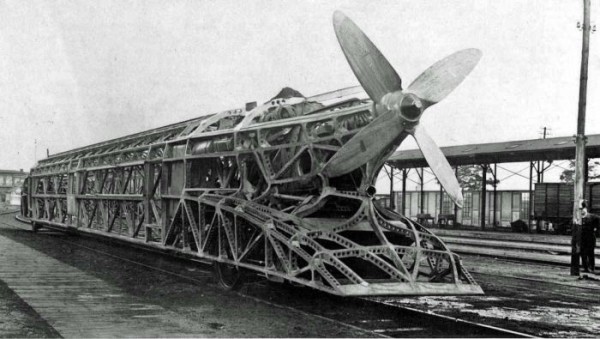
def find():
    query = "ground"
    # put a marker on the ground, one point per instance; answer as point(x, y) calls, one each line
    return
point(537, 299)
point(181, 307)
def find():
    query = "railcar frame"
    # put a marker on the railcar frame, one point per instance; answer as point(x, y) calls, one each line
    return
point(243, 189)
point(284, 189)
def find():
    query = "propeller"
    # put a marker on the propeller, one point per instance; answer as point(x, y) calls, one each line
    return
point(399, 111)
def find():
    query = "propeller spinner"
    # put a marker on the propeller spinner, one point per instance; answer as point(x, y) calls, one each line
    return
point(399, 111)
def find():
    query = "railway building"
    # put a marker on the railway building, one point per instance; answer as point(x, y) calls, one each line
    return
point(10, 186)
point(543, 203)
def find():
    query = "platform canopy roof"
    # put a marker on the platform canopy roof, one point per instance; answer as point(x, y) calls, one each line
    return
point(2, 171)
point(561, 148)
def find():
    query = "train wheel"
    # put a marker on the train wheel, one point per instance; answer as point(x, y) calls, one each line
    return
point(228, 276)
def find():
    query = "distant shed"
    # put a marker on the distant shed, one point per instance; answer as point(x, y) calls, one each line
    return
point(9, 181)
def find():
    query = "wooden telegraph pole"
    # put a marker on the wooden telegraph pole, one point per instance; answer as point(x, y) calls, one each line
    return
point(580, 141)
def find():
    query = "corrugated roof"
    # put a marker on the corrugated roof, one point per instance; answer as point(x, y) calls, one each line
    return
point(561, 148)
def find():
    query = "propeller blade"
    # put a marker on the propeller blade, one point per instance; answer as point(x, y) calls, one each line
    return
point(365, 144)
point(372, 70)
point(444, 76)
point(438, 164)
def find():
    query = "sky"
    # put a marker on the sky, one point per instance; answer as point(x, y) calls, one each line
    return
point(74, 73)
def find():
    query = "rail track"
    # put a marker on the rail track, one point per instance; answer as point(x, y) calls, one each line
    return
point(552, 250)
point(591, 288)
point(373, 318)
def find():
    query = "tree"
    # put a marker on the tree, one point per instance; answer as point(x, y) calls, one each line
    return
point(469, 178)
point(568, 174)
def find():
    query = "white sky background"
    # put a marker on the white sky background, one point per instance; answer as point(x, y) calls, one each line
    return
point(78, 72)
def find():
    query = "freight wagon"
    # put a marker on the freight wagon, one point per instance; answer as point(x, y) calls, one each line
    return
point(553, 203)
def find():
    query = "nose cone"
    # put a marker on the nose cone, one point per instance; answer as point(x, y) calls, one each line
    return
point(407, 105)
point(411, 107)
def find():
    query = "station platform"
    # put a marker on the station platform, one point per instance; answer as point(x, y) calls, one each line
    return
point(77, 304)
point(73, 291)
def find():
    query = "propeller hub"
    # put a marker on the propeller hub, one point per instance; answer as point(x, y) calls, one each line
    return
point(411, 107)
point(407, 105)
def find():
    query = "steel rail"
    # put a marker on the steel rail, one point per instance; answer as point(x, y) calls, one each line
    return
point(375, 332)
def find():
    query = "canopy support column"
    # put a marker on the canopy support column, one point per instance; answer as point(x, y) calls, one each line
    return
point(441, 201)
point(392, 195)
point(421, 176)
point(455, 205)
point(495, 204)
point(483, 194)
point(530, 203)
point(404, 175)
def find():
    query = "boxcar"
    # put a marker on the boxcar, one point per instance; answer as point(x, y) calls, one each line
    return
point(553, 203)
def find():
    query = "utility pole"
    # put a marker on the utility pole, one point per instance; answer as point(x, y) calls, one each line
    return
point(580, 141)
